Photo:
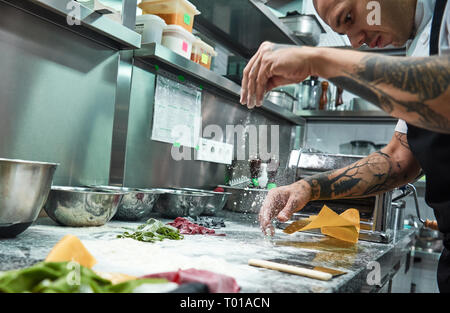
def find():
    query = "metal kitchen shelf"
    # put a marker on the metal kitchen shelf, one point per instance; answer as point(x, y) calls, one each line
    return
point(157, 55)
point(373, 116)
point(241, 25)
point(94, 25)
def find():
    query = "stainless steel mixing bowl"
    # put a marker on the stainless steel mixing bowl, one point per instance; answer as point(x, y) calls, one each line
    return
point(74, 206)
point(24, 187)
point(136, 204)
point(215, 203)
point(176, 203)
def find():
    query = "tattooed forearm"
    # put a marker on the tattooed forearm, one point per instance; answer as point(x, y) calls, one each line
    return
point(418, 89)
point(372, 175)
point(402, 138)
point(428, 78)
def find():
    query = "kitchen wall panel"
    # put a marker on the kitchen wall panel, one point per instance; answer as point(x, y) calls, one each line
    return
point(57, 97)
point(149, 163)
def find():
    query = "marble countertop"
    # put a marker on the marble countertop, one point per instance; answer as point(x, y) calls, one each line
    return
point(223, 254)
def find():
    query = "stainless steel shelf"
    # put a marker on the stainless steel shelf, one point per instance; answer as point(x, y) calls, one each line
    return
point(94, 25)
point(316, 115)
point(154, 54)
point(241, 25)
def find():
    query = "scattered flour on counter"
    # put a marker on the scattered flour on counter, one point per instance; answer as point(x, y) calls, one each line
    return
point(137, 258)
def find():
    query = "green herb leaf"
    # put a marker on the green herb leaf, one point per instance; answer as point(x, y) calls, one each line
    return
point(152, 231)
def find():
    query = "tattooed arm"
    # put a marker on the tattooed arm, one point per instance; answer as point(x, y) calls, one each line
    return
point(379, 172)
point(416, 90)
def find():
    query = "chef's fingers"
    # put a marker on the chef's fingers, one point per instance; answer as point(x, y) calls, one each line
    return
point(270, 231)
point(246, 73)
point(251, 84)
point(261, 80)
point(268, 211)
point(290, 208)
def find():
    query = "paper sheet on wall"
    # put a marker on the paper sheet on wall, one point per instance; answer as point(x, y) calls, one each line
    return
point(177, 113)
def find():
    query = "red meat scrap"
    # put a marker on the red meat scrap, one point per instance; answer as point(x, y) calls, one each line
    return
point(186, 227)
point(217, 283)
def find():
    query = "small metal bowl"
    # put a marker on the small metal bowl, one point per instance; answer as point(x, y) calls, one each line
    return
point(215, 203)
point(78, 207)
point(24, 187)
point(181, 203)
point(136, 204)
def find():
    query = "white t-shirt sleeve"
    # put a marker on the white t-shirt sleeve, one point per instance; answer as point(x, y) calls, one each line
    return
point(444, 42)
point(401, 127)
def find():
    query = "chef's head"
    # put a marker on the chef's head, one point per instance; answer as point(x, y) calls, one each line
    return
point(376, 23)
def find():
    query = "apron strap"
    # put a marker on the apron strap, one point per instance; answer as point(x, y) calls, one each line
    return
point(436, 26)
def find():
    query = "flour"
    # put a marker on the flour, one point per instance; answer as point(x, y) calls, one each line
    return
point(136, 258)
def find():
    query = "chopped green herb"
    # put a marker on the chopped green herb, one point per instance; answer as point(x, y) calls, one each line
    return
point(152, 231)
point(64, 277)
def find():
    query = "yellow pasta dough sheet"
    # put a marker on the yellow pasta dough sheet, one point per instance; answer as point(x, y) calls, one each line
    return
point(345, 226)
point(70, 248)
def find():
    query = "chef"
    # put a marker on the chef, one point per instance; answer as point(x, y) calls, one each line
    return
point(414, 89)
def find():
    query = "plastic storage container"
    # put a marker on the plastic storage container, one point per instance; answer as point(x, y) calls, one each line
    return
point(179, 40)
point(150, 27)
point(202, 53)
point(174, 12)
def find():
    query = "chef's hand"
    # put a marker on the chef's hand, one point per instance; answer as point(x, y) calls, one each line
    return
point(282, 202)
point(274, 65)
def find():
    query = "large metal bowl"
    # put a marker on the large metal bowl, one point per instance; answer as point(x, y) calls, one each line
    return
point(78, 207)
point(136, 204)
point(181, 203)
point(215, 203)
point(24, 187)
point(245, 200)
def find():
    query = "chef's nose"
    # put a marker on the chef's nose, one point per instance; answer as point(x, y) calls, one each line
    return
point(356, 39)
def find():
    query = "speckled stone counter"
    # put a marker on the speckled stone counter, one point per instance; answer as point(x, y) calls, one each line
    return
point(228, 254)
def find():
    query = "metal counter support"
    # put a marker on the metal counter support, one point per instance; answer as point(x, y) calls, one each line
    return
point(122, 109)
point(129, 13)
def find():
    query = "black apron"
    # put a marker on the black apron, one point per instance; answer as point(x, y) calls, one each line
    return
point(432, 150)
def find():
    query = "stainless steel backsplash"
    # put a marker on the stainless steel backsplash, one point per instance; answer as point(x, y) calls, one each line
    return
point(149, 163)
point(68, 99)
point(57, 96)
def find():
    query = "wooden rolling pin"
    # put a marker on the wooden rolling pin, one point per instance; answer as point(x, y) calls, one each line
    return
point(290, 269)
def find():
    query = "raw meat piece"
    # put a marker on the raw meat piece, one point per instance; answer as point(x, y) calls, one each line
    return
point(188, 228)
point(217, 283)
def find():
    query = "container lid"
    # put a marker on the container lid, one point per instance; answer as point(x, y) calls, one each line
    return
point(166, 6)
point(180, 30)
point(150, 18)
point(204, 46)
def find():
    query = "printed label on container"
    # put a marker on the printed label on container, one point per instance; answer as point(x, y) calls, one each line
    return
point(185, 46)
point(187, 19)
point(139, 28)
point(205, 58)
